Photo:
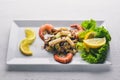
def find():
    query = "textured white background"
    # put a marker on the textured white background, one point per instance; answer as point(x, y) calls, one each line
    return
point(108, 10)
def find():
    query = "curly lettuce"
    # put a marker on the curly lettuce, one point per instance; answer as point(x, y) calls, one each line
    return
point(89, 24)
point(97, 55)
point(102, 32)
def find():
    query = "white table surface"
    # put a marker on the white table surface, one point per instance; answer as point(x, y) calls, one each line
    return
point(108, 10)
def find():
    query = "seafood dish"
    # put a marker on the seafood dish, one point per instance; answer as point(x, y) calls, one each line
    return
point(62, 41)
point(87, 39)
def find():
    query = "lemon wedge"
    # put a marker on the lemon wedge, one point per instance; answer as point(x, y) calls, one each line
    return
point(30, 34)
point(24, 47)
point(94, 42)
point(90, 35)
point(25, 43)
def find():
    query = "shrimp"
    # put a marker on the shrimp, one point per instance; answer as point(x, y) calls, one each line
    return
point(65, 59)
point(78, 28)
point(43, 28)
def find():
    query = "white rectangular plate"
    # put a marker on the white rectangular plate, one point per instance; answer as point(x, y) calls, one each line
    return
point(40, 56)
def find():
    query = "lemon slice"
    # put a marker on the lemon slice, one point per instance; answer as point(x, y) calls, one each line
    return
point(94, 42)
point(24, 44)
point(90, 35)
point(24, 47)
point(30, 34)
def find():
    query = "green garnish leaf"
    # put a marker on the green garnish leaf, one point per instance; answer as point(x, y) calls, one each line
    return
point(97, 55)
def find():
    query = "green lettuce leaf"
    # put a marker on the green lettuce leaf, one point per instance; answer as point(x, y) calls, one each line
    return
point(89, 24)
point(102, 32)
point(97, 55)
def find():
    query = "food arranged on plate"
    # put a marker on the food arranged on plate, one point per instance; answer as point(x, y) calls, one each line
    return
point(25, 43)
point(88, 39)
point(61, 42)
